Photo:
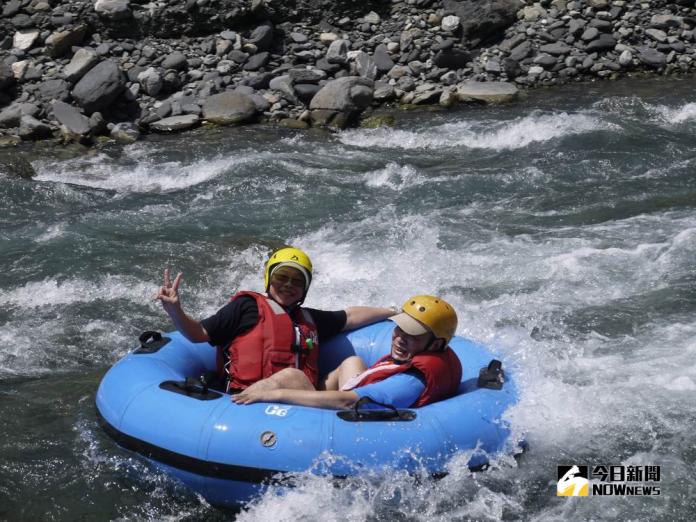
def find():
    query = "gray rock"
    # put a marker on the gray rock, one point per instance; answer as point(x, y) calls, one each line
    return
point(262, 37)
point(228, 107)
point(306, 75)
point(176, 61)
point(257, 61)
point(351, 93)
point(483, 20)
point(298, 37)
point(383, 91)
point(125, 132)
point(32, 129)
point(99, 87)
point(589, 34)
point(576, 26)
point(555, 49)
point(488, 92)
point(11, 8)
point(382, 59)
point(651, 57)
point(25, 40)
point(175, 123)
point(605, 42)
point(55, 90)
point(450, 23)
point(258, 81)
point(365, 66)
point(626, 58)
point(451, 59)
point(406, 84)
point(545, 60)
point(493, 66)
point(16, 164)
point(113, 9)
point(60, 42)
point(657, 35)
point(72, 121)
point(10, 116)
point(337, 52)
point(305, 91)
point(82, 61)
point(663, 21)
point(97, 124)
point(151, 81)
point(262, 104)
point(522, 51)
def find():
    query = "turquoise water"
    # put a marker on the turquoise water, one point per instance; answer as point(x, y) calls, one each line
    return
point(562, 229)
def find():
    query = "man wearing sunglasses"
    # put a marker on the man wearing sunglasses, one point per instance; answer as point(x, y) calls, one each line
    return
point(260, 335)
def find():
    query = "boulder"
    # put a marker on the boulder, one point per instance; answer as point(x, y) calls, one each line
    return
point(488, 92)
point(651, 57)
point(175, 123)
point(351, 93)
point(32, 129)
point(365, 65)
point(262, 37)
point(7, 77)
point(451, 59)
point(450, 23)
point(151, 81)
point(113, 9)
point(73, 123)
point(82, 61)
point(176, 61)
point(605, 42)
point(11, 116)
point(16, 164)
point(229, 107)
point(99, 87)
point(25, 40)
point(555, 49)
point(257, 61)
point(483, 20)
point(55, 90)
point(337, 52)
point(305, 91)
point(382, 59)
point(306, 75)
point(60, 42)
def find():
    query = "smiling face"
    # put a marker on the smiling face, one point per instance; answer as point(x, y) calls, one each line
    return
point(287, 286)
point(404, 346)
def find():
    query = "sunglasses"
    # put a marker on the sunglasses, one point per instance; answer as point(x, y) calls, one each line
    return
point(283, 279)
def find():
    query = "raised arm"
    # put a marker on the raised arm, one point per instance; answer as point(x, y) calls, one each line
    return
point(357, 316)
point(168, 295)
point(335, 400)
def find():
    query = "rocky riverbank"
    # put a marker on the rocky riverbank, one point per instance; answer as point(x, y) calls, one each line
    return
point(82, 69)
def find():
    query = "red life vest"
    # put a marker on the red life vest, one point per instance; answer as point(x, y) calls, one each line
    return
point(277, 341)
point(442, 372)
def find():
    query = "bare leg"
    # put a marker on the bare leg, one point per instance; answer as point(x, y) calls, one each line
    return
point(288, 378)
point(348, 369)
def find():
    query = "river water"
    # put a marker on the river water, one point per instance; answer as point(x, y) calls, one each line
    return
point(562, 228)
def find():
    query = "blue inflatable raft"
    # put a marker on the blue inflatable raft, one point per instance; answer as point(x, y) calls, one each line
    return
point(228, 453)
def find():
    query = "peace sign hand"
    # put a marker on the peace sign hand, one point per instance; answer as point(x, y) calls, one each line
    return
point(168, 293)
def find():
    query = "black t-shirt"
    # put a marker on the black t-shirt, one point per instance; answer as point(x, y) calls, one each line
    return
point(240, 315)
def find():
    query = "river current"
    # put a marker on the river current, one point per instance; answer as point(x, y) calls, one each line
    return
point(562, 229)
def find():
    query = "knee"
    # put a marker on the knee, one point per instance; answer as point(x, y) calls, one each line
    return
point(291, 378)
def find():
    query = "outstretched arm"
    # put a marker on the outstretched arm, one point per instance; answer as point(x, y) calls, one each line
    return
point(168, 295)
point(335, 400)
point(357, 316)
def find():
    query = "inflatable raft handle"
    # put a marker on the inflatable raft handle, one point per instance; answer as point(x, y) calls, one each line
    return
point(151, 341)
point(492, 376)
point(389, 413)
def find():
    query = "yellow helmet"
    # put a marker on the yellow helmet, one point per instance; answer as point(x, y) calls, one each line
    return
point(288, 256)
point(431, 314)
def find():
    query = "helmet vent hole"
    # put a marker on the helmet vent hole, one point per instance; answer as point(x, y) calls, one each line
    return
point(421, 308)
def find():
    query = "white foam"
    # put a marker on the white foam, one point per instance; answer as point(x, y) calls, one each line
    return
point(510, 135)
point(394, 177)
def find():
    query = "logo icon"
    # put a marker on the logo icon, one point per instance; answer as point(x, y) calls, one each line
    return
point(572, 481)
